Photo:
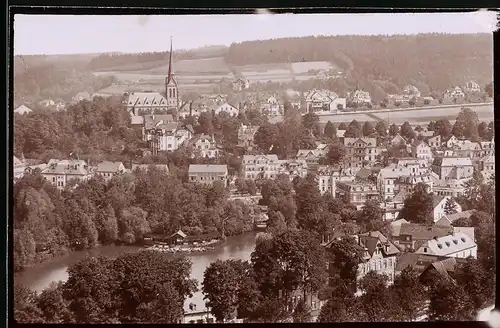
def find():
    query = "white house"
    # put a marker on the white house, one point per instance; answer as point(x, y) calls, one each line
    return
point(164, 135)
point(359, 97)
point(457, 244)
point(60, 172)
point(452, 93)
point(227, 108)
point(411, 91)
point(420, 149)
point(109, 169)
point(260, 166)
point(240, 84)
point(439, 203)
point(22, 110)
point(205, 146)
point(324, 100)
point(472, 86)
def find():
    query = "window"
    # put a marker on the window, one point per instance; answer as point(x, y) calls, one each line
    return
point(54, 179)
point(425, 249)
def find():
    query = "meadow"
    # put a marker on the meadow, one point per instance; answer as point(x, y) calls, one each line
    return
point(304, 67)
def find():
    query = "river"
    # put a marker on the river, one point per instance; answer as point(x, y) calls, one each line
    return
point(41, 276)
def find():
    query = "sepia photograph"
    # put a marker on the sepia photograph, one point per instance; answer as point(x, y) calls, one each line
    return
point(252, 168)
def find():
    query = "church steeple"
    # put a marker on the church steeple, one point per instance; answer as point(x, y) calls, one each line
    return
point(171, 91)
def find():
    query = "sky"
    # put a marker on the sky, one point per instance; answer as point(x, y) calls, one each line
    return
point(73, 34)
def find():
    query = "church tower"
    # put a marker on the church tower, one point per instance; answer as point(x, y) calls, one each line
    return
point(171, 90)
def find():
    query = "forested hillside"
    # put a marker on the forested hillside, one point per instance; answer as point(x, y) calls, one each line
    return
point(430, 61)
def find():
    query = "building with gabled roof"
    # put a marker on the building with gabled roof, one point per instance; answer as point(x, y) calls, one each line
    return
point(361, 152)
point(448, 219)
point(164, 134)
point(145, 102)
point(23, 110)
point(311, 156)
point(453, 168)
point(329, 175)
point(227, 108)
point(246, 136)
point(208, 173)
point(324, 100)
point(60, 172)
point(359, 97)
point(83, 95)
point(439, 203)
point(412, 235)
point(148, 166)
point(472, 86)
point(108, 169)
point(457, 244)
point(204, 146)
point(260, 166)
point(411, 91)
point(240, 84)
point(420, 149)
point(454, 93)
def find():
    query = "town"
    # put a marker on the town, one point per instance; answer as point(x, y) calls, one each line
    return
point(365, 210)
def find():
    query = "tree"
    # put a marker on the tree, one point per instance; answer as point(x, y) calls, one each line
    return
point(443, 128)
point(369, 214)
point(450, 207)
point(221, 284)
point(54, 307)
point(341, 307)
point(302, 312)
point(107, 225)
point(489, 89)
point(406, 131)
point(449, 302)
point(473, 278)
point(330, 130)
point(310, 120)
point(353, 130)
point(336, 153)
point(418, 206)
point(368, 129)
point(276, 223)
point(483, 131)
point(25, 305)
point(393, 130)
point(266, 136)
point(133, 225)
point(375, 300)
point(342, 126)
point(466, 124)
point(381, 128)
point(431, 126)
point(344, 257)
point(405, 284)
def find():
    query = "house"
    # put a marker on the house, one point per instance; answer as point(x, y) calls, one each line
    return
point(218, 99)
point(443, 266)
point(22, 110)
point(487, 166)
point(271, 106)
point(324, 100)
point(177, 238)
point(387, 178)
point(467, 148)
point(311, 156)
point(208, 173)
point(205, 146)
point(457, 244)
point(419, 149)
point(454, 93)
point(359, 97)
point(448, 187)
point(328, 176)
point(60, 172)
point(392, 207)
point(227, 108)
point(398, 141)
point(240, 84)
point(448, 219)
point(31, 167)
point(434, 142)
point(293, 168)
point(357, 192)
point(148, 166)
point(340, 134)
point(260, 166)
point(411, 92)
point(145, 103)
point(472, 87)
point(439, 203)
point(137, 122)
point(47, 103)
point(453, 168)
point(396, 227)
point(108, 169)
point(246, 136)
point(379, 255)
point(451, 141)
point(84, 95)
point(412, 236)
point(164, 134)
point(361, 152)
point(418, 262)
point(19, 168)
point(488, 147)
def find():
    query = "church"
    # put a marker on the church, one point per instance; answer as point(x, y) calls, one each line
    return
point(141, 103)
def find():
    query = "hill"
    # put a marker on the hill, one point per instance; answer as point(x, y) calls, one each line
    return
point(432, 62)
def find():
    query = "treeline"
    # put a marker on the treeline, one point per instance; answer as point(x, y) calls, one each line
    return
point(98, 127)
point(145, 287)
point(48, 222)
point(56, 82)
point(431, 62)
point(114, 60)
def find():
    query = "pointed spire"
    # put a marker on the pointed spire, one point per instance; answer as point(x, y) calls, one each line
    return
point(169, 77)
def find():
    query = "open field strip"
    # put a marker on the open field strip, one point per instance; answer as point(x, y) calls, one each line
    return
point(304, 67)
point(203, 65)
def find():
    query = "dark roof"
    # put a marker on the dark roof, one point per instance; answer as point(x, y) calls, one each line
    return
point(417, 261)
point(372, 238)
point(363, 173)
point(436, 200)
point(424, 232)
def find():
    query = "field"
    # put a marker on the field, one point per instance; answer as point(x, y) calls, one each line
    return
point(416, 116)
point(205, 65)
point(120, 89)
point(304, 67)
